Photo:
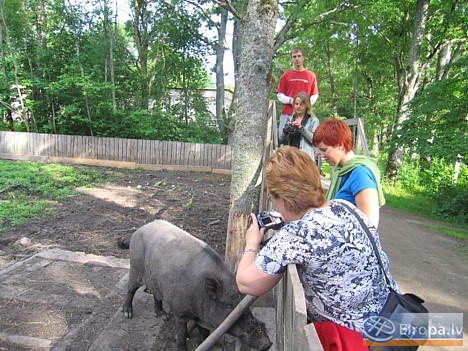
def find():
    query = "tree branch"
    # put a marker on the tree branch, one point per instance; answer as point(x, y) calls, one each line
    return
point(282, 37)
point(202, 10)
point(227, 5)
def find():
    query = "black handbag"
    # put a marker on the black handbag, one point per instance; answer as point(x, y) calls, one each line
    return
point(409, 306)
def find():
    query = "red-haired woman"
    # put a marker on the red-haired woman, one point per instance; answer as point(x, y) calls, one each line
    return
point(356, 178)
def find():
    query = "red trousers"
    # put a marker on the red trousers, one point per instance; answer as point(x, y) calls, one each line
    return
point(335, 337)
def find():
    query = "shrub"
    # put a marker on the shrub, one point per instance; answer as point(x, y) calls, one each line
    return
point(452, 198)
point(453, 202)
point(438, 176)
point(409, 176)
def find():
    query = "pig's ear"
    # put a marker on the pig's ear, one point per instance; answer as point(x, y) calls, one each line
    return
point(212, 287)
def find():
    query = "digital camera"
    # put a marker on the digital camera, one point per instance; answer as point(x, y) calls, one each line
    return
point(267, 221)
point(290, 128)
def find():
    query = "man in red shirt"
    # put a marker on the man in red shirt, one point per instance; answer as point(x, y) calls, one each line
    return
point(295, 81)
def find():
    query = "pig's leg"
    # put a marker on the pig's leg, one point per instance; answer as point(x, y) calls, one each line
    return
point(133, 284)
point(181, 333)
point(158, 309)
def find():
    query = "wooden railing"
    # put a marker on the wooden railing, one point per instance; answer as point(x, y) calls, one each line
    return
point(115, 152)
point(359, 135)
point(292, 331)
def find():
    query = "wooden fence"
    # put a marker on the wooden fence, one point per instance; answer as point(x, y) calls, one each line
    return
point(115, 152)
point(293, 333)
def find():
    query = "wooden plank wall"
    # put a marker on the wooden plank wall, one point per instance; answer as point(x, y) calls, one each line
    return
point(292, 331)
point(140, 152)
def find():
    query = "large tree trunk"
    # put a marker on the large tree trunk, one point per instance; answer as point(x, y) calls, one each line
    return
point(85, 94)
point(20, 95)
point(409, 84)
point(250, 121)
point(110, 30)
point(9, 114)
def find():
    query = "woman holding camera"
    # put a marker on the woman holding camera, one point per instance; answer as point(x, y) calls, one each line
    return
point(342, 279)
point(300, 127)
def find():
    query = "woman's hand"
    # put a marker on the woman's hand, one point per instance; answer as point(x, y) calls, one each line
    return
point(254, 235)
point(250, 279)
point(275, 214)
point(297, 124)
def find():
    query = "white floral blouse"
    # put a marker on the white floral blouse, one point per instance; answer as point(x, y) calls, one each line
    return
point(338, 268)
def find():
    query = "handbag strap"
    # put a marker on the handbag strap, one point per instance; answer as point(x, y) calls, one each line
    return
point(371, 238)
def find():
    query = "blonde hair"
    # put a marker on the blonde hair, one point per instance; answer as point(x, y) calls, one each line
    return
point(292, 174)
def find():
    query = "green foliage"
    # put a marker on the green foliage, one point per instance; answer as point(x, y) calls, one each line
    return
point(29, 189)
point(452, 199)
point(409, 177)
point(63, 67)
point(198, 132)
point(437, 125)
point(432, 189)
point(411, 201)
point(452, 202)
point(189, 205)
point(144, 124)
point(438, 176)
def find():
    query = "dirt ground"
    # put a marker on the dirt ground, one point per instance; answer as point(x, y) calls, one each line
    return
point(93, 221)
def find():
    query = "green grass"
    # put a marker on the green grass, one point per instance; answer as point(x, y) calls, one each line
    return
point(30, 190)
point(455, 233)
point(409, 202)
point(189, 205)
point(424, 206)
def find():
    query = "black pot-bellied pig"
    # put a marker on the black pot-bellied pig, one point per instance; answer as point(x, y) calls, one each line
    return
point(192, 279)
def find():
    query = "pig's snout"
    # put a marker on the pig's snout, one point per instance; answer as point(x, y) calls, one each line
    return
point(266, 347)
point(261, 343)
point(252, 332)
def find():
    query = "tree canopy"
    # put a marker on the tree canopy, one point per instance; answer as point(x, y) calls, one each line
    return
point(73, 68)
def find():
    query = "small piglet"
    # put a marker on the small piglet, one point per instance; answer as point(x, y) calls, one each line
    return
point(192, 279)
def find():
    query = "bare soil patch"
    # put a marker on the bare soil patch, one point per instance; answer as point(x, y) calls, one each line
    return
point(92, 221)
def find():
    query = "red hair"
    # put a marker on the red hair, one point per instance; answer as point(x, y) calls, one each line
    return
point(334, 132)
